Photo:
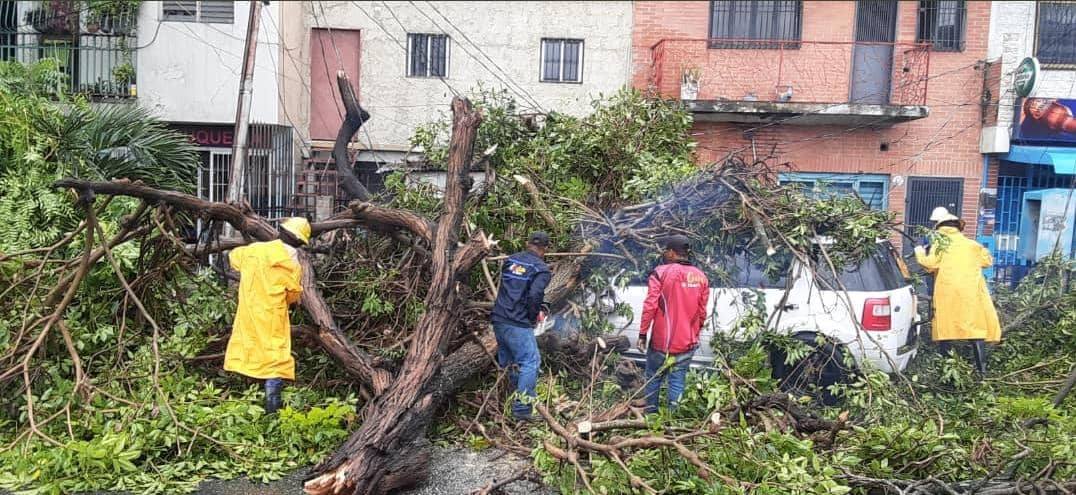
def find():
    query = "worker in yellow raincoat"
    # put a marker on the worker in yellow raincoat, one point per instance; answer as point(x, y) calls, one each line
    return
point(269, 280)
point(963, 309)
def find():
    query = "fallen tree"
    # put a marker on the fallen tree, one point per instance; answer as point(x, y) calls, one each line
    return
point(397, 294)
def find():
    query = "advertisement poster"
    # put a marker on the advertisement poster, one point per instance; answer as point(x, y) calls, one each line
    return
point(1046, 120)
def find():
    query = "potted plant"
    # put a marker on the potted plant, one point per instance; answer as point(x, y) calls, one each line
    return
point(689, 83)
point(124, 73)
point(55, 17)
point(93, 22)
point(115, 16)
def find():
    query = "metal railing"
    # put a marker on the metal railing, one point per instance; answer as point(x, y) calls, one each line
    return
point(95, 52)
point(791, 71)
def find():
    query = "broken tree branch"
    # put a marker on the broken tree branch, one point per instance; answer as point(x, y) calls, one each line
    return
point(328, 336)
point(354, 117)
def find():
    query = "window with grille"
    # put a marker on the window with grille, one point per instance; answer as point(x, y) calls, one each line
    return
point(427, 55)
point(208, 11)
point(941, 23)
point(777, 24)
point(562, 60)
point(872, 189)
point(1055, 44)
point(9, 28)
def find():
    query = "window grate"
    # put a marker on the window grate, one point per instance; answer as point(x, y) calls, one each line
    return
point(207, 11)
point(217, 11)
point(427, 55)
point(562, 60)
point(941, 23)
point(1055, 44)
point(872, 189)
point(777, 24)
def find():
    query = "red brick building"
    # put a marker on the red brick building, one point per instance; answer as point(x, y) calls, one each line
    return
point(882, 98)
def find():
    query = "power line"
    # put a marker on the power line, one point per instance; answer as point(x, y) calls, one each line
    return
point(340, 63)
point(520, 87)
point(398, 43)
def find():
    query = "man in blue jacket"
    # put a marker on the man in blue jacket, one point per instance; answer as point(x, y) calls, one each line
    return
point(520, 305)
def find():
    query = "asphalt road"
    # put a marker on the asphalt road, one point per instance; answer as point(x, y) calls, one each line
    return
point(453, 471)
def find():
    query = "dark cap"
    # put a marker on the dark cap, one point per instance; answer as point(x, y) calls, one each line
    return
point(538, 238)
point(679, 243)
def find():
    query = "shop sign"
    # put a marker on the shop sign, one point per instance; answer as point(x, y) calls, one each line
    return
point(217, 135)
point(1026, 77)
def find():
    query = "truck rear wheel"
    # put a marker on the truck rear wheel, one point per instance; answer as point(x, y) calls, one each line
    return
point(812, 375)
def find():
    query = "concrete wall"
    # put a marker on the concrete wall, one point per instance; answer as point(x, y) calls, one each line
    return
point(1012, 37)
point(509, 33)
point(189, 71)
point(945, 144)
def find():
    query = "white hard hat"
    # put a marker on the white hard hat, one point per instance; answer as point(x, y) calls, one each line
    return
point(941, 214)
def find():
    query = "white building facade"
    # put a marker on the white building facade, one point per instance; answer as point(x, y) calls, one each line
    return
point(181, 60)
point(407, 60)
point(190, 60)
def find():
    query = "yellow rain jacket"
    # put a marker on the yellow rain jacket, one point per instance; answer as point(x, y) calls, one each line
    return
point(962, 306)
point(269, 280)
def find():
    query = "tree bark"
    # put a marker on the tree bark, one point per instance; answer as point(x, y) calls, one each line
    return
point(354, 117)
point(396, 421)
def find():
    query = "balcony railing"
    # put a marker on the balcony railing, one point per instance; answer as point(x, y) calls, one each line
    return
point(96, 54)
point(775, 71)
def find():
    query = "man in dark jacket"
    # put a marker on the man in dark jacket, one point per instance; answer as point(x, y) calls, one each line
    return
point(519, 306)
point(673, 314)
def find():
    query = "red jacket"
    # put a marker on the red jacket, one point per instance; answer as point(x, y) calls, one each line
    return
point(675, 307)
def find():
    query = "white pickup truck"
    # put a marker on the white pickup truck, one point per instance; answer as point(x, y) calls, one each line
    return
point(869, 309)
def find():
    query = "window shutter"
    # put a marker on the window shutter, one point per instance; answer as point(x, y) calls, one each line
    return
point(218, 11)
point(181, 10)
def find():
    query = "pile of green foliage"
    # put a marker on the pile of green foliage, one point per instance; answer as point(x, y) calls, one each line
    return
point(121, 431)
point(935, 420)
point(154, 419)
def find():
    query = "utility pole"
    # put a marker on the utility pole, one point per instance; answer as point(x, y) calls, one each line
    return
point(242, 114)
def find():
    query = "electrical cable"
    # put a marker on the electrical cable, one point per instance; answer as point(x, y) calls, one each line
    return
point(520, 87)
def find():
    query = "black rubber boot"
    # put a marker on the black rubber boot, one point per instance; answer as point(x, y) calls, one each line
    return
point(273, 402)
point(979, 350)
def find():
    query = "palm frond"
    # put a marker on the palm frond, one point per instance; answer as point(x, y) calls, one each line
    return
point(127, 142)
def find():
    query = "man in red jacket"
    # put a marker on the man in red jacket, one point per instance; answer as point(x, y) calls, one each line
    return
point(673, 315)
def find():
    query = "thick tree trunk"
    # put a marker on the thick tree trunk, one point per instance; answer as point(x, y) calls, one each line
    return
point(396, 421)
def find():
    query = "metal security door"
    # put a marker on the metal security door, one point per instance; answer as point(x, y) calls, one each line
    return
point(213, 176)
point(872, 54)
point(926, 193)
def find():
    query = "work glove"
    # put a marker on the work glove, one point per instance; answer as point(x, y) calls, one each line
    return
point(920, 250)
point(640, 344)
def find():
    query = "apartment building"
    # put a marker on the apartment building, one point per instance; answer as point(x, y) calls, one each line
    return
point(877, 98)
point(180, 59)
point(406, 60)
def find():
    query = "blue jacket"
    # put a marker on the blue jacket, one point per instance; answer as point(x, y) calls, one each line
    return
point(522, 292)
